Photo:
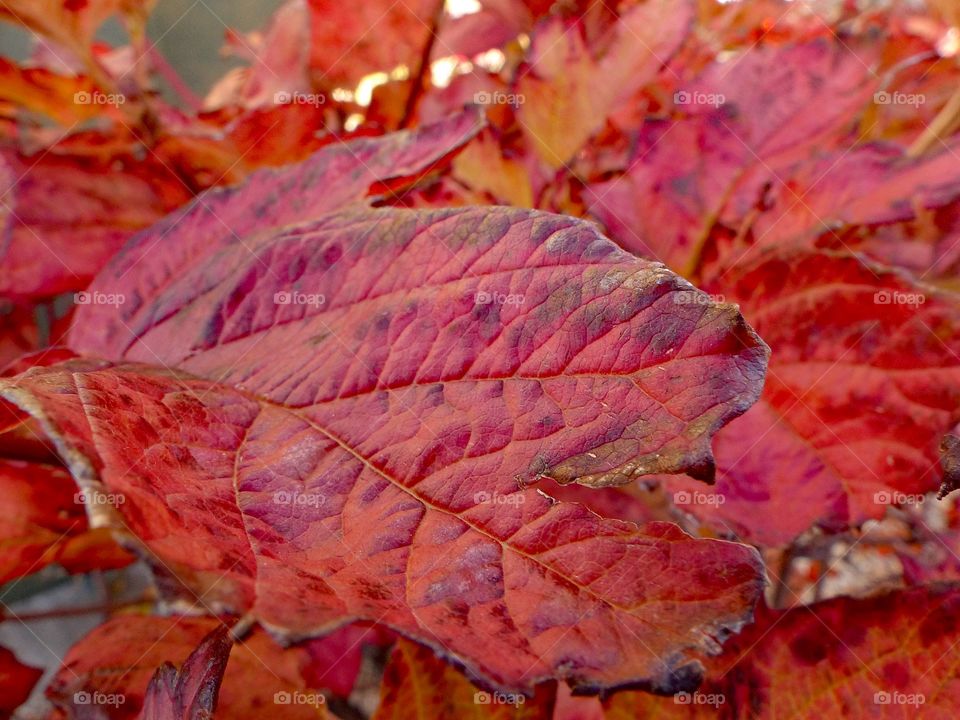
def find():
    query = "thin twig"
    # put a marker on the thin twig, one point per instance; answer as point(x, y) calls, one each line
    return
point(943, 124)
point(6, 615)
point(417, 86)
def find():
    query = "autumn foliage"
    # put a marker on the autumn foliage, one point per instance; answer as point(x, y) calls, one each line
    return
point(499, 359)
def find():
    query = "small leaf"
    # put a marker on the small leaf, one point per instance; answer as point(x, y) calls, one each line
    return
point(17, 681)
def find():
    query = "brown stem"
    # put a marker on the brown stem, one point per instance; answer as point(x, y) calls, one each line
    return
point(417, 86)
point(783, 575)
point(177, 84)
point(7, 615)
point(242, 626)
point(943, 124)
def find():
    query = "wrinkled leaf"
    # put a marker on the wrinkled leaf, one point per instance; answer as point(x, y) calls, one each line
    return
point(586, 364)
point(449, 475)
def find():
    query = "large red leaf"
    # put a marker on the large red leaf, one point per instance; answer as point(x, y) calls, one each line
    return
point(892, 656)
point(328, 456)
point(228, 460)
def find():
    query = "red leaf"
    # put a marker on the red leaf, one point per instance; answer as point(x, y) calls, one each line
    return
point(864, 381)
point(17, 681)
point(335, 659)
point(829, 192)
point(64, 216)
point(42, 522)
point(185, 492)
point(743, 130)
point(683, 172)
point(763, 94)
point(19, 334)
point(318, 461)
